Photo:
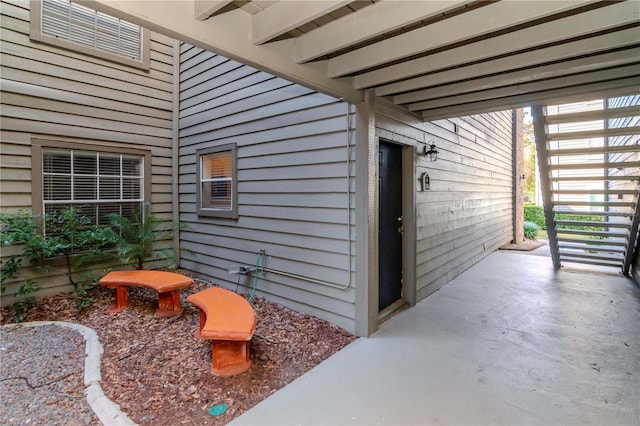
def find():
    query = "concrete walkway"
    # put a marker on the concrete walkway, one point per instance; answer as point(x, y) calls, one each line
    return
point(509, 341)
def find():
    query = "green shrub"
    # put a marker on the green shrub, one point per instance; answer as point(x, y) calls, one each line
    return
point(535, 214)
point(69, 235)
point(134, 239)
point(531, 230)
point(581, 218)
point(20, 229)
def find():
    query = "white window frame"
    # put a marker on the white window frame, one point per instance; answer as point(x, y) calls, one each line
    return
point(201, 155)
point(37, 34)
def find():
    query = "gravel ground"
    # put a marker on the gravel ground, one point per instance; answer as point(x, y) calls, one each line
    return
point(45, 387)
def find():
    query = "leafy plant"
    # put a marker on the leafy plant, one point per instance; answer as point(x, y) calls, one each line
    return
point(535, 214)
point(68, 235)
point(84, 246)
point(531, 230)
point(20, 308)
point(74, 237)
point(84, 287)
point(20, 229)
point(581, 218)
point(135, 238)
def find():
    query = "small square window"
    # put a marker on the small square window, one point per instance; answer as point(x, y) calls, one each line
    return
point(216, 170)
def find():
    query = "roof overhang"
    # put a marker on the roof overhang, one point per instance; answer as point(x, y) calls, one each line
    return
point(434, 58)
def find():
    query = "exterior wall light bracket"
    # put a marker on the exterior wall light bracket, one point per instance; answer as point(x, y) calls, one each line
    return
point(431, 152)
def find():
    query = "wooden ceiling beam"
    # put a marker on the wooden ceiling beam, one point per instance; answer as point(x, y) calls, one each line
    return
point(612, 88)
point(590, 46)
point(605, 18)
point(457, 29)
point(527, 75)
point(370, 22)
point(530, 87)
point(203, 9)
point(285, 16)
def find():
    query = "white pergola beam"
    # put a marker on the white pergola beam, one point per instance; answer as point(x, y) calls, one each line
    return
point(531, 87)
point(588, 46)
point(604, 18)
point(613, 88)
point(485, 20)
point(205, 8)
point(285, 16)
point(368, 23)
point(557, 69)
point(219, 34)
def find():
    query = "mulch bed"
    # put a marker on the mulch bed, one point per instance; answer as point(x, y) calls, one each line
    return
point(160, 374)
point(526, 245)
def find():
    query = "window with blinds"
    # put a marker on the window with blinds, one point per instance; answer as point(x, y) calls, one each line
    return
point(217, 181)
point(97, 183)
point(71, 25)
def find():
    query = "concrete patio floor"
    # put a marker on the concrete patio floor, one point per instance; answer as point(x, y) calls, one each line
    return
point(509, 341)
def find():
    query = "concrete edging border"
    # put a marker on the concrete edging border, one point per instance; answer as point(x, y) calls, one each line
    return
point(107, 411)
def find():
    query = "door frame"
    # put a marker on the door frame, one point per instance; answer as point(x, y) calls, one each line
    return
point(397, 244)
point(409, 185)
point(367, 256)
point(409, 214)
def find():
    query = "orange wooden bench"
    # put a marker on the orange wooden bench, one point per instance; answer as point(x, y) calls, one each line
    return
point(229, 320)
point(167, 284)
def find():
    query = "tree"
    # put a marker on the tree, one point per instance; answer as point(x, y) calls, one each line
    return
point(529, 185)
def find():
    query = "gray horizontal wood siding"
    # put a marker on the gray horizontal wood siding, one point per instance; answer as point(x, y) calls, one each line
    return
point(56, 94)
point(294, 189)
point(468, 212)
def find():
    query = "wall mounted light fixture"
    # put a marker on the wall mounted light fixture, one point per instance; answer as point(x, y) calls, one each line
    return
point(432, 152)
